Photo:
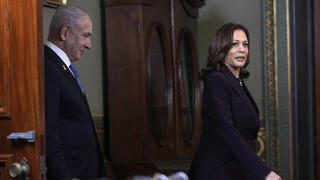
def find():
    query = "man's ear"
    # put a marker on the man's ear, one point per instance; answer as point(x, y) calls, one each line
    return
point(64, 32)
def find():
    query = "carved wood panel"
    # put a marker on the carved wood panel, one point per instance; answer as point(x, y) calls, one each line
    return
point(143, 44)
point(5, 162)
point(4, 59)
point(189, 87)
point(159, 88)
point(126, 69)
point(157, 24)
point(185, 38)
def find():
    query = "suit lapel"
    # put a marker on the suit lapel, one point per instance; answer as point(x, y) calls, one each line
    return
point(253, 106)
point(64, 68)
point(68, 74)
point(241, 92)
point(250, 97)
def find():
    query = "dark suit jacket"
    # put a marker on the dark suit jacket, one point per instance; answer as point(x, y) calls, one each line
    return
point(227, 149)
point(72, 148)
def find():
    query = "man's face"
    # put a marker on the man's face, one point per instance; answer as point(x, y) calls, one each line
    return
point(79, 39)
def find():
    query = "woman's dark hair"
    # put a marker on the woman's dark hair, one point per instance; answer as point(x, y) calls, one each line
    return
point(219, 48)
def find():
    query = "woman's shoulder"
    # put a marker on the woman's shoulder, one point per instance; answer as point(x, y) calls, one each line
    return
point(217, 76)
point(217, 82)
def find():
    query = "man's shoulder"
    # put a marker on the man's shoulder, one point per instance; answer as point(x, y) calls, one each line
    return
point(49, 53)
point(51, 64)
point(51, 59)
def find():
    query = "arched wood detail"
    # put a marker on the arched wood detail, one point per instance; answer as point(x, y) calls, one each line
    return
point(186, 35)
point(196, 3)
point(160, 115)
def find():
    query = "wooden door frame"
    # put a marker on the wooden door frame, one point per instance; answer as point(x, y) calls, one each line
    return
point(316, 22)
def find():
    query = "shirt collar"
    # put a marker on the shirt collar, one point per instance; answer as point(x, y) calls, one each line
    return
point(63, 56)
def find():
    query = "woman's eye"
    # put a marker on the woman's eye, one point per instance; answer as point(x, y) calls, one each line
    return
point(235, 44)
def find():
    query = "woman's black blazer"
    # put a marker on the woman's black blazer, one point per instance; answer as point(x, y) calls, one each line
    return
point(227, 149)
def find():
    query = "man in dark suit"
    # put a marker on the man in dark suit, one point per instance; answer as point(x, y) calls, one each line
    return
point(72, 147)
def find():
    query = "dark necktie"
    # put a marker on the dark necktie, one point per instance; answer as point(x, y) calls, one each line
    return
point(76, 75)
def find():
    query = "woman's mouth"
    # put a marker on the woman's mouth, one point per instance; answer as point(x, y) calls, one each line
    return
point(240, 58)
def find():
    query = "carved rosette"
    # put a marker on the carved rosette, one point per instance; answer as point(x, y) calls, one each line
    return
point(196, 3)
point(191, 7)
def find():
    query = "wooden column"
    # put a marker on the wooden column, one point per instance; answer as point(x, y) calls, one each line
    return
point(316, 19)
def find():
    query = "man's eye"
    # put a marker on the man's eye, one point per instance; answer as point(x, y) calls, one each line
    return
point(86, 35)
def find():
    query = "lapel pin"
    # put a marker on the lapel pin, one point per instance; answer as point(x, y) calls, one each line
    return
point(64, 67)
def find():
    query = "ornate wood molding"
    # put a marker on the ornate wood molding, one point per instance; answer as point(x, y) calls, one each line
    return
point(191, 7)
point(4, 59)
point(196, 3)
point(316, 16)
point(5, 162)
point(128, 2)
point(271, 103)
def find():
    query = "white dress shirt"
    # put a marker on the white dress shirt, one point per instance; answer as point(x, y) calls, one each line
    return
point(63, 56)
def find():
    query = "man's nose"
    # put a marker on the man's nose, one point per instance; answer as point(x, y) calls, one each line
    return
point(88, 44)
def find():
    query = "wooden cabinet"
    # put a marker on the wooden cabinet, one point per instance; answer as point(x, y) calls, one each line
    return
point(153, 91)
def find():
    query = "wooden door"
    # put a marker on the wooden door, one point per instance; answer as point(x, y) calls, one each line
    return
point(21, 85)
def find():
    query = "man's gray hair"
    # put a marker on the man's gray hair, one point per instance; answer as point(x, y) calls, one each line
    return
point(65, 15)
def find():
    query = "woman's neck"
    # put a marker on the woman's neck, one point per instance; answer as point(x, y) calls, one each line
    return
point(235, 71)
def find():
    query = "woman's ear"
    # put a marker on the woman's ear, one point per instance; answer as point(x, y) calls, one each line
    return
point(64, 32)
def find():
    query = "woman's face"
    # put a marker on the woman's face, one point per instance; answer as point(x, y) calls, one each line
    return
point(237, 55)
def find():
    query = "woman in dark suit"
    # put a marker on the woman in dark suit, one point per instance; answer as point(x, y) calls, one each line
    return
point(227, 149)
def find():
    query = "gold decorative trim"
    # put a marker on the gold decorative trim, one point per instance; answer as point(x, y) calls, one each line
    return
point(98, 116)
point(98, 120)
point(271, 85)
point(289, 87)
point(54, 3)
point(261, 143)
